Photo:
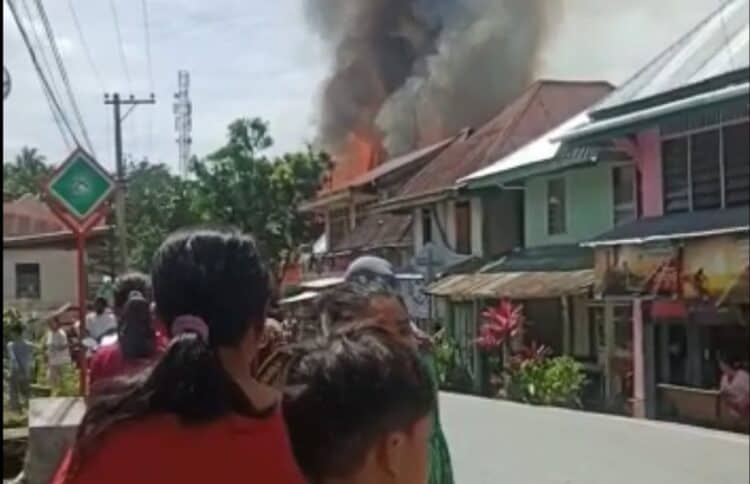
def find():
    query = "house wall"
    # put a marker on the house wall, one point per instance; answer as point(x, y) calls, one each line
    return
point(645, 149)
point(589, 206)
point(57, 273)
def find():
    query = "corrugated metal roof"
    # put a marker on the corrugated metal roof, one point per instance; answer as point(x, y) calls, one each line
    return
point(676, 226)
point(539, 150)
point(514, 285)
point(717, 46)
point(400, 162)
point(377, 230)
point(548, 258)
point(541, 107)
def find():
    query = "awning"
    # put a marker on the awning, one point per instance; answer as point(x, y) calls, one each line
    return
point(514, 285)
point(299, 298)
point(676, 226)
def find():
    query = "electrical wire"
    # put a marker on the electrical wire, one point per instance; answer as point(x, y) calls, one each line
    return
point(149, 66)
point(58, 114)
point(64, 74)
point(47, 70)
point(84, 43)
point(123, 59)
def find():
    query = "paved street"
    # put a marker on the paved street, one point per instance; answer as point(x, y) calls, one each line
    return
point(498, 442)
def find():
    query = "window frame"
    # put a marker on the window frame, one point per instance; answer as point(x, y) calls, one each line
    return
point(563, 182)
point(19, 276)
point(463, 206)
point(427, 232)
point(633, 204)
point(689, 136)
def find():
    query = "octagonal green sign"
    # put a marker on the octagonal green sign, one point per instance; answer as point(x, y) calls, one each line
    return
point(81, 185)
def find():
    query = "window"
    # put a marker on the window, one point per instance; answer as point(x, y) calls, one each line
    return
point(28, 282)
point(339, 227)
point(623, 181)
point(737, 164)
point(705, 171)
point(675, 169)
point(426, 226)
point(463, 227)
point(556, 206)
point(693, 166)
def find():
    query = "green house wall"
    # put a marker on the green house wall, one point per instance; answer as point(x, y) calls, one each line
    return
point(589, 206)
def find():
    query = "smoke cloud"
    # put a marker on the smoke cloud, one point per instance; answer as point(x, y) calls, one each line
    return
point(409, 72)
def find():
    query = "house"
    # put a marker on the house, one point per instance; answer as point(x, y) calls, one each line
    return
point(670, 283)
point(39, 257)
point(485, 222)
point(352, 228)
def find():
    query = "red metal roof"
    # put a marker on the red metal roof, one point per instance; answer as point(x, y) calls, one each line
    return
point(29, 216)
point(544, 105)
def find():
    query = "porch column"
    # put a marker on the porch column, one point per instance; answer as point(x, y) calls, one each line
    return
point(639, 372)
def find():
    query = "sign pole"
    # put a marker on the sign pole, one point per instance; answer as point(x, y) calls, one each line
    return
point(76, 194)
point(81, 268)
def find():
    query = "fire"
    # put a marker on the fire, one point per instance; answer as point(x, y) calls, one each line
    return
point(360, 154)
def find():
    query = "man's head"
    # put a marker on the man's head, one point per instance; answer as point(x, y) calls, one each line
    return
point(358, 409)
point(100, 305)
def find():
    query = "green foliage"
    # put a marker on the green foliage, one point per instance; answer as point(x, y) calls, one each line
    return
point(451, 372)
point(158, 203)
point(238, 185)
point(546, 381)
point(25, 174)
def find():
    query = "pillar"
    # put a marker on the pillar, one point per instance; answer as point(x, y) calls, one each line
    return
point(639, 373)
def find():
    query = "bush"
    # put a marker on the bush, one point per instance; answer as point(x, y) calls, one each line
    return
point(452, 374)
point(546, 381)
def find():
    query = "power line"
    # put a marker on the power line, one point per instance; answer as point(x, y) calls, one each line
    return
point(56, 116)
point(85, 44)
point(54, 103)
point(123, 60)
point(64, 74)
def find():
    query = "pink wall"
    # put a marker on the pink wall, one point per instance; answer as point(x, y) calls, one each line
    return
point(645, 150)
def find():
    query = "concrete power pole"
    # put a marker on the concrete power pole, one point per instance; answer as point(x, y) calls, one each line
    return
point(122, 233)
point(183, 121)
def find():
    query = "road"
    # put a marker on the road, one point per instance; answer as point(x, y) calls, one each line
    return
point(495, 442)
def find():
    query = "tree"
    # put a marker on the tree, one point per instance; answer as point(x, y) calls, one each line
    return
point(239, 185)
point(26, 174)
point(157, 204)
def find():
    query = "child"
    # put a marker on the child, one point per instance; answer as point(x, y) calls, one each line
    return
point(358, 409)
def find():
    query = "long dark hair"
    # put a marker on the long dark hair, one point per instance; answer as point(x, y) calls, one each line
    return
point(136, 333)
point(213, 275)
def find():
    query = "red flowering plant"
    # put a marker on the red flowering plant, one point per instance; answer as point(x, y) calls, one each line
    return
point(500, 323)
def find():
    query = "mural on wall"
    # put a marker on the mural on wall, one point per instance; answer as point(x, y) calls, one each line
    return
point(702, 269)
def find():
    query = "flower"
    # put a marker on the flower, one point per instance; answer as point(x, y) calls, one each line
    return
point(501, 322)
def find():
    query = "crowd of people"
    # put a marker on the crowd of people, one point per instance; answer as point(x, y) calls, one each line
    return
point(198, 383)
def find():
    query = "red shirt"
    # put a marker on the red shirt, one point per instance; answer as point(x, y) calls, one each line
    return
point(159, 450)
point(108, 363)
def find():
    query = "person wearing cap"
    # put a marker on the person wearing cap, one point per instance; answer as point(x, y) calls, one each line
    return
point(373, 282)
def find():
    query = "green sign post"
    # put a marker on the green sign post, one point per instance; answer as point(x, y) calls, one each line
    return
point(81, 185)
point(76, 194)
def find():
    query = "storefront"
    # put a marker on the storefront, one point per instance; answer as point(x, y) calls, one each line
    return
point(673, 298)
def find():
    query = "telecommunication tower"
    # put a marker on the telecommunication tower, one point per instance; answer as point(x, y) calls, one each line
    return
point(183, 121)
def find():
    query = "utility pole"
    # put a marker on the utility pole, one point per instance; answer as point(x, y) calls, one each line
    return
point(183, 123)
point(122, 233)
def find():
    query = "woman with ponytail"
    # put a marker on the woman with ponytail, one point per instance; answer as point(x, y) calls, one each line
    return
point(197, 415)
point(135, 349)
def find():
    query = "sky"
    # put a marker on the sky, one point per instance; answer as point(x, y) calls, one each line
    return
point(257, 58)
